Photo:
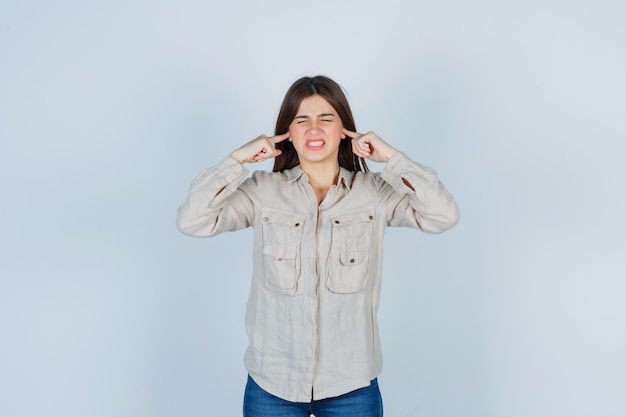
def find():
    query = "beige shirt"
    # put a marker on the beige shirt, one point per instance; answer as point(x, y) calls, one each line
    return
point(311, 313)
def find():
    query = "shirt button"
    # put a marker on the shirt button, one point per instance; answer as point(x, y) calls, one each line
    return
point(336, 221)
point(371, 217)
point(352, 260)
point(265, 219)
point(297, 224)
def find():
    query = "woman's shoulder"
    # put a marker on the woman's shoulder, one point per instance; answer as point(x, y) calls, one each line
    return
point(367, 179)
point(271, 176)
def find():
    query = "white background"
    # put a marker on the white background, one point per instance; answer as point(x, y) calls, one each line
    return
point(109, 108)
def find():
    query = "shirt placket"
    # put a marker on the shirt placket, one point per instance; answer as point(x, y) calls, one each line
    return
point(322, 247)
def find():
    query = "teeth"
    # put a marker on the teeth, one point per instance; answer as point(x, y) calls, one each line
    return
point(315, 143)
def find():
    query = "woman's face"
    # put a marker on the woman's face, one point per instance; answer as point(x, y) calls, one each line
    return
point(316, 131)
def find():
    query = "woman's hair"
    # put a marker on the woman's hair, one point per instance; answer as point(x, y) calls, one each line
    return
point(333, 94)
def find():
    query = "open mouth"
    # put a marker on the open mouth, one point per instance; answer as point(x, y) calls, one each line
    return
point(315, 143)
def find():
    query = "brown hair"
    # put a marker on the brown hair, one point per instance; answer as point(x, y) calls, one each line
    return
point(333, 94)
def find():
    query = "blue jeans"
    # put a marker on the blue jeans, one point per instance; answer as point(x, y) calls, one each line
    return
point(363, 402)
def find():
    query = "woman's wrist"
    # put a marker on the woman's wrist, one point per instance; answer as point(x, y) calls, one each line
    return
point(391, 153)
point(236, 155)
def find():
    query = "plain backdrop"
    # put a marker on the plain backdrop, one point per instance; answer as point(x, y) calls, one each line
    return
point(108, 109)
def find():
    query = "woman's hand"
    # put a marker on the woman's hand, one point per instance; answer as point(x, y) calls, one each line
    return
point(259, 149)
point(370, 146)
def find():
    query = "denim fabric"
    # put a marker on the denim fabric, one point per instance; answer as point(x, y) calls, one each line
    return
point(363, 402)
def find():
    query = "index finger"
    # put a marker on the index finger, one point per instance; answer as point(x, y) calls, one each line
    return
point(353, 135)
point(279, 138)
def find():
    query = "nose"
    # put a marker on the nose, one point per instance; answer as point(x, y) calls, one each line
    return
point(315, 126)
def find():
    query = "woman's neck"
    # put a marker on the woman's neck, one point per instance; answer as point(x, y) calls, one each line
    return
point(321, 178)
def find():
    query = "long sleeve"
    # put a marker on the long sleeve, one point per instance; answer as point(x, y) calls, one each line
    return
point(425, 202)
point(215, 203)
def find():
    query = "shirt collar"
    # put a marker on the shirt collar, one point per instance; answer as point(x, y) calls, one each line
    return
point(345, 176)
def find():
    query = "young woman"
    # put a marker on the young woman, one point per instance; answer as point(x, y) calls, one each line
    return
point(318, 222)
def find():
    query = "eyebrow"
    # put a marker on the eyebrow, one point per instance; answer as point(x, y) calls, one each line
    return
point(304, 116)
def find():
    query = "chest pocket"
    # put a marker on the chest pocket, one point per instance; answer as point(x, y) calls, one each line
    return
point(282, 236)
point(350, 250)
